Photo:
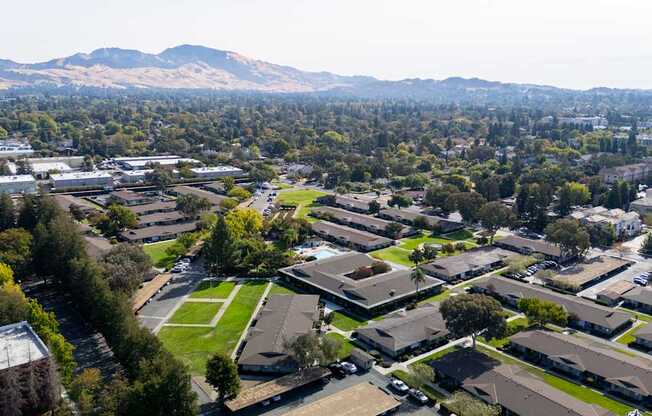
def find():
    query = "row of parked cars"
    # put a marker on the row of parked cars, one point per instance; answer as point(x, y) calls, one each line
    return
point(548, 264)
point(341, 370)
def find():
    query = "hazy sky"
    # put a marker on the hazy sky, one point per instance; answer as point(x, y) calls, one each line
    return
point(568, 43)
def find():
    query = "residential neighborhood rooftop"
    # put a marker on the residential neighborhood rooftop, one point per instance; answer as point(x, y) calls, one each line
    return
point(19, 345)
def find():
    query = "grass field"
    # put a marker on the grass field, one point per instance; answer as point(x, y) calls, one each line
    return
point(628, 337)
point(459, 235)
point(439, 297)
point(513, 326)
point(303, 199)
point(578, 391)
point(393, 254)
point(346, 322)
point(400, 254)
point(156, 251)
point(347, 345)
point(278, 289)
point(194, 346)
point(195, 313)
point(213, 290)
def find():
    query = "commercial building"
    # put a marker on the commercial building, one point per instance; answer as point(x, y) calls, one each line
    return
point(338, 279)
point(214, 172)
point(517, 391)
point(467, 265)
point(14, 148)
point(595, 122)
point(637, 172)
point(360, 221)
point(157, 232)
point(584, 315)
point(140, 163)
point(625, 224)
point(350, 237)
point(363, 399)
point(405, 331)
point(43, 169)
point(528, 247)
point(588, 362)
point(639, 298)
point(134, 176)
point(587, 273)
point(95, 179)
point(282, 319)
point(25, 360)
point(441, 225)
point(18, 184)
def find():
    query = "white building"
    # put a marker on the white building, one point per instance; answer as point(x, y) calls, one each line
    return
point(20, 345)
point(18, 184)
point(626, 224)
point(140, 163)
point(14, 148)
point(595, 122)
point(42, 169)
point(134, 176)
point(95, 179)
point(215, 172)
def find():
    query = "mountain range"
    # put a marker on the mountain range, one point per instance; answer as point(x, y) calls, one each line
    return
point(189, 67)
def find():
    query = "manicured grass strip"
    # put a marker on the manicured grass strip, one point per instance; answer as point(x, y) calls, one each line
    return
point(156, 251)
point(303, 199)
point(628, 337)
point(578, 391)
point(346, 322)
point(213, 290)
point(279, 289)
point(347, 345)
point(195, 313)
point(439, 297)
point(194, 346)
point(513, 326)
point(394, 255)
point(437, 355)
point(459, 235)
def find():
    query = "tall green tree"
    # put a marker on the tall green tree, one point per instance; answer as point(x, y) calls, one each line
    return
point(541, 312)
point(493, 216)
point(220, 249)
point(7, 212)
point(571, 237)
point(469, 314)
point(222, 375)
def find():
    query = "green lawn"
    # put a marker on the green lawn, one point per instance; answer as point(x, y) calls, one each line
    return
point(578, 391)
point(156, 251)
point(213, 290)
point(303, 199)
point(195, 313)
point(459, 235)
point(439, 297)
point(628, 337)
point(279, 289)
point(513, 326)
point(438, 354)
point(394, 254)
point(194, 346)
point(346, 322)
point(347, 345)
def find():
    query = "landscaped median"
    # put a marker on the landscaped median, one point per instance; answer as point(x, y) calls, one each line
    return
point(195, 345)
point(200, 313)
point(210, 289)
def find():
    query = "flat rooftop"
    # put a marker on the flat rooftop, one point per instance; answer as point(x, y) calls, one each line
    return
point(364, 399)
point(213, 198)
point(467, 262)
point(269, 389)
point(592, 269)
point(19, 345)
point(534, 246)
point(17, 179)
point(80, 175)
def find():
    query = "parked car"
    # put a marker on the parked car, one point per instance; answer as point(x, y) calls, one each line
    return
point(418, 396)
point(640, 281)
point(337, 370)
point(178, 269)
point(398, 385)
point(348, 367)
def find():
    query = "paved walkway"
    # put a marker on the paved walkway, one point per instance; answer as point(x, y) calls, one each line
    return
point(404, 365)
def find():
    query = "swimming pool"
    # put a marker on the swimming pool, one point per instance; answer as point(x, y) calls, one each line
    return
point(323, 253)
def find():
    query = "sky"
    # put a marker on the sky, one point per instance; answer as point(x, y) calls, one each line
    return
point(566, 43)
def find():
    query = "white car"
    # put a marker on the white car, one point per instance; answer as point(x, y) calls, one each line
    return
point(398, 385)
point(418, 396)
point(349, 367)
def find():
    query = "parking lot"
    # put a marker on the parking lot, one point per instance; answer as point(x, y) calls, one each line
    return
point(307, 395)
point(629, 274)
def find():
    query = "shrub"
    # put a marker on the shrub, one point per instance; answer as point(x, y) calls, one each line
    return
point(379, 267)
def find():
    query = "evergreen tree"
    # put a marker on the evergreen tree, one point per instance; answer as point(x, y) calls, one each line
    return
point(7, 213)
point(220, 250)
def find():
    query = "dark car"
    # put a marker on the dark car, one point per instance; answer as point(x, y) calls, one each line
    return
point(337, 370)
